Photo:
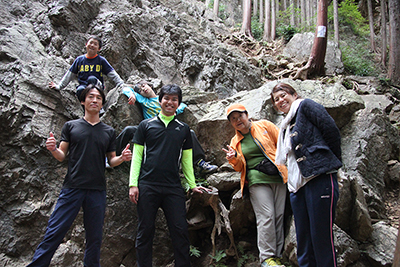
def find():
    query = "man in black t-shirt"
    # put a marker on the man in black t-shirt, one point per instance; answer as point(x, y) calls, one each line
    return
point(161, 144)
point(86, 141)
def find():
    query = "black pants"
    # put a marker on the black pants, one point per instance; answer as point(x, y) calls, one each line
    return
point(128, 133)
point(172, 201)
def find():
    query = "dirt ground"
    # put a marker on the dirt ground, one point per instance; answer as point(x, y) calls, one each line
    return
point(392, 205)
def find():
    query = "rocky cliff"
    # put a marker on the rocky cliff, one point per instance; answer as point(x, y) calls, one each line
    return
point(167, 41)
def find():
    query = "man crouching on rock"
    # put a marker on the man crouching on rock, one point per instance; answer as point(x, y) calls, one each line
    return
point(87, 141)
point(161, 144)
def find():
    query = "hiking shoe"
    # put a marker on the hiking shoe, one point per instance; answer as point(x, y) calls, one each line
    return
point(272, 262)
point(205, 167)
point(279, 261)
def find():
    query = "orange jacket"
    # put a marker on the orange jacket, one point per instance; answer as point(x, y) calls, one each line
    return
point(265, 135)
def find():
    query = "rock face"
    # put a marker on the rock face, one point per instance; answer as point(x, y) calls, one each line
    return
point(165, 41)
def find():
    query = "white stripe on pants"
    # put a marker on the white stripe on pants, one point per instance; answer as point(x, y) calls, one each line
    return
point(268, 201)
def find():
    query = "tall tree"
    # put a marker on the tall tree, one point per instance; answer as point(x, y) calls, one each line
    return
point(274, 7)
point(371, 25)
point(298, 18)
point(246, 23)
point(261, 12)
point(394, 45)
point(303, 13)
point(216, 7)
point(307, 11)
point(255, 7)
point(292, 11)
point(316, 61)
point(383, 33)
point(336, 21)
point(267, 21)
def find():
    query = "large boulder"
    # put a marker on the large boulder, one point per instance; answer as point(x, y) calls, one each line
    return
point(369, 141)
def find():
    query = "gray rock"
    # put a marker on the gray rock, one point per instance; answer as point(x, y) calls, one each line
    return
point(383, 243)
point(368, 142)
point(393, 176)
point(225, 181)
point(394, 115)
point(241, 214)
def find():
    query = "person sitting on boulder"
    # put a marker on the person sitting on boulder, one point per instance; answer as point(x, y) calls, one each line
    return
point(89, 69)
point(144, 93)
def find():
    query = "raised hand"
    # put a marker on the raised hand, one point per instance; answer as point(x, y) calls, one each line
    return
point(230, 152)
point(126, 153)
point(51, 143)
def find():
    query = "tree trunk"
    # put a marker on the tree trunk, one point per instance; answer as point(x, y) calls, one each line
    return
point(255, 7)
point(267, 21)
point(303, 12)
point(261, 12)
point(314, 11)
point(298, 18)
point(394, 46)
point(246, 24)
point(207, 3)
point(316, 62)
point(383, 33)
point(371, 26)
point(273, 19)
point(292, 10)
point(216, 7)
point(307, 11)
point(336, 21)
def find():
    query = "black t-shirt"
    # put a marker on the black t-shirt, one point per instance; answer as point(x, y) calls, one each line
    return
point(88, 145)
point(162, 150)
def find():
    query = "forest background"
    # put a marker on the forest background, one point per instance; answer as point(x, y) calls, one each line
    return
point(366, 31)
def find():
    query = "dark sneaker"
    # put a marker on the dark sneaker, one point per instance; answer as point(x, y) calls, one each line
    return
point(206, 167)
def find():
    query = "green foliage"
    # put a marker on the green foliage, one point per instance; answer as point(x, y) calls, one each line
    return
point(286, 31)
point(221, 10)
point(346, 83)
point(350, 16)
point(385, 82)
point(257, 28)
point(244, 257)
point(194, 251)
point(357, 58)
point(201, 180)
point(283, 19)
point(219, 260)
